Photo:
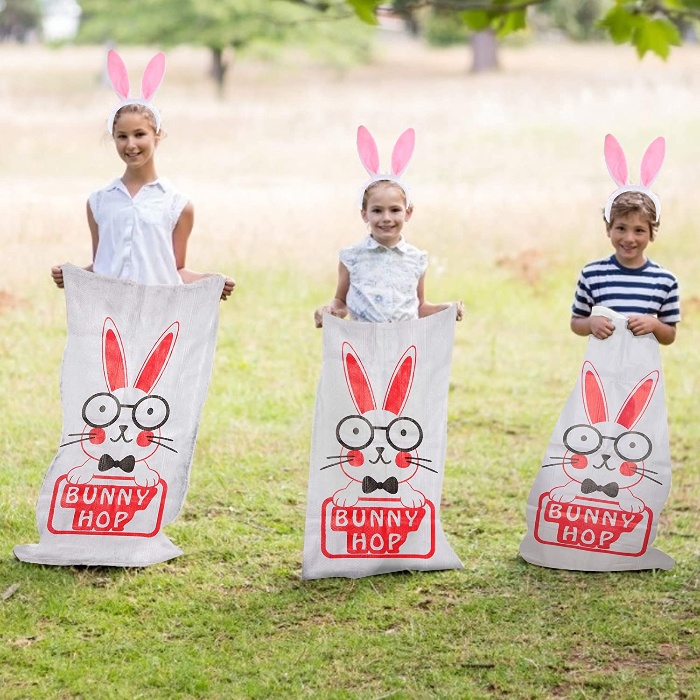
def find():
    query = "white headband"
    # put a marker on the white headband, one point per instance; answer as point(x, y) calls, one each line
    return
point(617, 167)
point(400, 157)
point(150, 82)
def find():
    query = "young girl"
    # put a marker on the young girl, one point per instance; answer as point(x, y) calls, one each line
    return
point(382, 278)
point(140, 223)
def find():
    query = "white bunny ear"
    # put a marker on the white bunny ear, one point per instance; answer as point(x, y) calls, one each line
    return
point(118, 75)
point(616, 161)
point(403, 150)
point(367, 148)
point(652, 161)
point(153, 76)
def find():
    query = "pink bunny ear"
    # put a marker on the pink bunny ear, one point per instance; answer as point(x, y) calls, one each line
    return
point(616, 161)
point(113, 359)
point(153, 76)
point(401, 382)
point(367, 148)
point(594, 401)
point(638, 400)
point(157, 359)
point(403, 150)
point(652, 161)
point(357, 380)
point(118, 75)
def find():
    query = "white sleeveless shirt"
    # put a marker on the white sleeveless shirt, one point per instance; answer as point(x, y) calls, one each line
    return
point(136, 234)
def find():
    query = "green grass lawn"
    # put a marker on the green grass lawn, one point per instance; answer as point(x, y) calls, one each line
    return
point(232, 619)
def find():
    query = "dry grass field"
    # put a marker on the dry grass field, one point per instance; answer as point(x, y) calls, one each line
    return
point(505, 164)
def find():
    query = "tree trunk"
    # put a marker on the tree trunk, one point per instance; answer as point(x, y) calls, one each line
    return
point(219, 66)
point(484, 51)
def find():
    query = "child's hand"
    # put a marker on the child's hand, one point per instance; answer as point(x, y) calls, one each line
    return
point(641, 325)
point(57, 274)
point(601, 327)
point(328, 309)
point(229, 284)
point(460, 310)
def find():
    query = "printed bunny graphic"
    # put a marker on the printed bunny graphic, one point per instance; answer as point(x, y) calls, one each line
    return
point(123, 424)
point(606, 458)
point(379, 447)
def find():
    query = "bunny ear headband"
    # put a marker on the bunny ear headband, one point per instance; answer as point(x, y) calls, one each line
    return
point(150, 82)
point(617, 167)
point(400, 157)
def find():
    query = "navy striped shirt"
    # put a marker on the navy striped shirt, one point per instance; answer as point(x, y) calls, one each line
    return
point(643, 290)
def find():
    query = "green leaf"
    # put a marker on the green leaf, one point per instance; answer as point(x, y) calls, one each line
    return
point(510, 22)
point(656, 35)
point(364, 9)
point(620, 24)
point(477, 20)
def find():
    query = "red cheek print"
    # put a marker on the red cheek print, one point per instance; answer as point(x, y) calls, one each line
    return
point(403, 460)
point(143, 439)
point(355, 458)
point(579, 461)
point(97, 436)
point(628, 469)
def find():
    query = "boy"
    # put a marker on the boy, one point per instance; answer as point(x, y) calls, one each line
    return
point(628, 282)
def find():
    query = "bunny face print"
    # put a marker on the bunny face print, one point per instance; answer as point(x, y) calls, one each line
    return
point(596, 500)
point(123, 424)
point(378, 449)
point(133, 382)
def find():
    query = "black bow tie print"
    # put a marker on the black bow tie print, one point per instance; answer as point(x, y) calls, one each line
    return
point(589, 486)
point(126, 464)
point(391, 485)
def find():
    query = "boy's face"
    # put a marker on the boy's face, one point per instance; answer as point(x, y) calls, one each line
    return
point(630, 235)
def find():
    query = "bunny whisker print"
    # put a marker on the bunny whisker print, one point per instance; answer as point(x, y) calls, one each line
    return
point(121, 472)
point(595, 502)
point(378, 449)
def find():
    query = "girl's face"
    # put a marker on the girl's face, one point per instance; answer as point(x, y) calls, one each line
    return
point(135, 138)
point(386, 214)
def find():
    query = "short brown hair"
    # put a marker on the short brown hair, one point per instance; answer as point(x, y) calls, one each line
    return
point(634, 203)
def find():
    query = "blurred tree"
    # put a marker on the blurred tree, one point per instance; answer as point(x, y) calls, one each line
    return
point(649, 25)
point(19, 19)
point(230, 24)
point(578, 19)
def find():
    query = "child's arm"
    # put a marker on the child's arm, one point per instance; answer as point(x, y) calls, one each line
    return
point(337, 306)
point(181, 235)
point(599, 326)
point(663, 332)
point(425, 308)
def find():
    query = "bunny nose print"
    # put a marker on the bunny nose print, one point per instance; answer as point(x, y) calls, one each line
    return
point(380, 457)
point(122, 434)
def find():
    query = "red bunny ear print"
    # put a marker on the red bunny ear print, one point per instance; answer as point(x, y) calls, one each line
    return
point(157, 359)
point(400, 382)
point(594, 401)
point(357, 380)
point(113, 360)
point(636, 403)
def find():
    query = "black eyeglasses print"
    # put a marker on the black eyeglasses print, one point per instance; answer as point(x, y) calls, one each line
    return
point(118, 406)
point(386, 428)
point(616, 444)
